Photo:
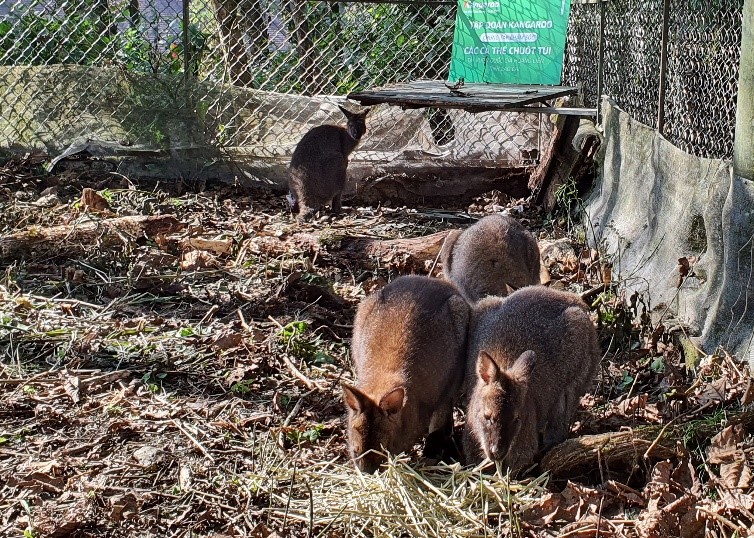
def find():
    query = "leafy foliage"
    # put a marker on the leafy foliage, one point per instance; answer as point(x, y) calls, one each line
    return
point(90, 37)
point(362, 45)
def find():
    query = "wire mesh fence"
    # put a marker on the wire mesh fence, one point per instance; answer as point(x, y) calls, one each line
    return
point(241, 67)
point(255, 73)
point(696, 107)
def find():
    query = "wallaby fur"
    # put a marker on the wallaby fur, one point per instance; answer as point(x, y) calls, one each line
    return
point(493, 257)
point(409, 351)
point(531, 356)
point(317, 173)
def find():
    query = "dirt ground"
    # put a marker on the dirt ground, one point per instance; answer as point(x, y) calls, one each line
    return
point(186, 382)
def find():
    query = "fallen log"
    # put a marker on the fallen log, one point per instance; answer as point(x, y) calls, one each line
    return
point(608, 449)
point(627, 447)
point(74, 239)
point(410, 253)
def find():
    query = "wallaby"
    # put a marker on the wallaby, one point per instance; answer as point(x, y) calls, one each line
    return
point(409, 351)
point(317, 173)
point(493, 257)
point(531, 356)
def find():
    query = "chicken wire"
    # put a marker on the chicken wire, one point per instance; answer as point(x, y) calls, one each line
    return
point(238, 67)
point(249, 73)
point(697, 111)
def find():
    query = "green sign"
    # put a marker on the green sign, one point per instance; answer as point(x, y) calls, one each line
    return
point(509, 41)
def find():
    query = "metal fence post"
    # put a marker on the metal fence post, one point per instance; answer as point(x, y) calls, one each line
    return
point(601, 61)
point(663, 66)
point(186, 41)
point(743, 143)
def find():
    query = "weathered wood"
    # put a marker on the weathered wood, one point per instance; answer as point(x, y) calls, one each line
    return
point(609, 449)
point(418, 249)
point(568, 156)
point(629, 446)
point(84, 236)
point(471, 97)
point(412, 252)
point(439, 185)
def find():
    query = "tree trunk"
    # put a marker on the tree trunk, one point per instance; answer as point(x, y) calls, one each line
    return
point(233, 23)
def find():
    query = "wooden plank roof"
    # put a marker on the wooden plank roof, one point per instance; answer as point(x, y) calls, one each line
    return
point(471, 97)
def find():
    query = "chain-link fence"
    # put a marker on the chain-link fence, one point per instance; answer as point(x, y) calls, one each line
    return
point(249, 74)
point(672, 64)
point(256, 74)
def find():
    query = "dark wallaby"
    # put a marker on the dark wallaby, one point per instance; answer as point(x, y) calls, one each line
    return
point(531, 356)
point(493, 257)
point(409, 351)
point(317, 173)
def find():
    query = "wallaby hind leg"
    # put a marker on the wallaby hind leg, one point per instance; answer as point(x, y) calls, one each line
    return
point(305, 213)
point(336, 204)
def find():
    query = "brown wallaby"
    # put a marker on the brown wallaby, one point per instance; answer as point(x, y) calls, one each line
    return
point(493, 257)
point(409, 351)
point(531, 356)
point(317, 173)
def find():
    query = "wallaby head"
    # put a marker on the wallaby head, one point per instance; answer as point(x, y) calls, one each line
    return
point(357, 122)
point(408, 348)
point(500, 397)
point(373, 425)
point(495, 256)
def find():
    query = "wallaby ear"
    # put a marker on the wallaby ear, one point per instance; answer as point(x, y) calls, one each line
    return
point(350, 115)
point(487, 368)
point(446, 252)
point(523, 367)
point(393, 401)
point(354, 398)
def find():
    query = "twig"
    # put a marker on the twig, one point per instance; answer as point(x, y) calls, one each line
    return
point(721, 519)
point(310, 532)
point(599, 517)
point(311, 385)
point(297, 407)
point(243, 322)
point(215, 498)
point(64, 300)
point(290, 492)
point(579, 530)
point(434, 263)
point(108, 377)
point(33, 379)
point(665, 427)
point(208, 315)
point(589, 294)
point(193, 440)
